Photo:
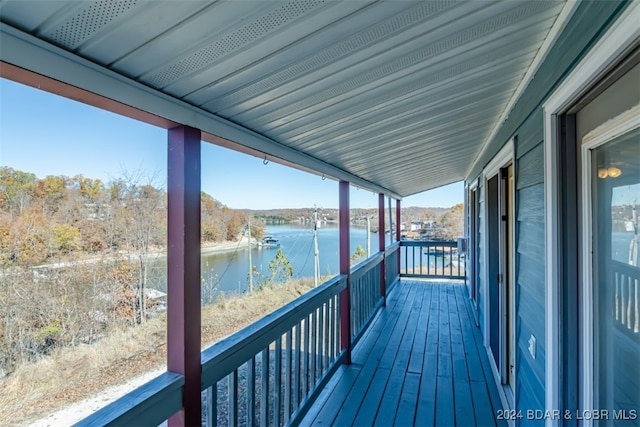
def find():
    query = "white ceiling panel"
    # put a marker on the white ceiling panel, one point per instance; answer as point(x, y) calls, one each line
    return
point(401, 95)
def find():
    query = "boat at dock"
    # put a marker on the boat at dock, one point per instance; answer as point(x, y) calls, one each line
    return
point(269, 242)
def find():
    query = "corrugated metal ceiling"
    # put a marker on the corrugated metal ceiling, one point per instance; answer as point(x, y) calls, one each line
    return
point(402, 94)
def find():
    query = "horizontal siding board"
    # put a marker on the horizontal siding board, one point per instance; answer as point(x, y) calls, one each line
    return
point(530, 203)
point(531, 168)
point(530, 396)
point(530, 134)
point(530, 281)
point(531, 242)
point(529, 313)
point(588, 22)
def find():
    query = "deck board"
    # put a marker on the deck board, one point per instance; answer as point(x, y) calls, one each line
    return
point(421, 362)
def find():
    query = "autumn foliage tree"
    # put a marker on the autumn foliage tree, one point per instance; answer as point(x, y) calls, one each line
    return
point(75, 253)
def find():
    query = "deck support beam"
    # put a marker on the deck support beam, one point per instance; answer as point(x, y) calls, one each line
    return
point(183, 269)
point(381, 248)
point(345, 268)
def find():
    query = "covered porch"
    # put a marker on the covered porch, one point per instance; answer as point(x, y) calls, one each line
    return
point(395, 98)
point(375, 346)
point(421, 362)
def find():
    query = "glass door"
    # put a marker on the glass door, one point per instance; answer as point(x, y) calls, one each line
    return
point(613, 168)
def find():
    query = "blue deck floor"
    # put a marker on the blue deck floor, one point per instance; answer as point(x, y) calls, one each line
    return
point(421, 362)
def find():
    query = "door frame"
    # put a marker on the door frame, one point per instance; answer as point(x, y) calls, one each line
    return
point(611, 46)
point(618, 126)
point(473, 194)
point(504, 158)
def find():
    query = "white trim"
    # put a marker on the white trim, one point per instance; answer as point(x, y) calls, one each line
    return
point(558, 26)
point(473, 185)
point(617, 39)
point(506, 404)
point(485, 270)
point(604, 133)
point(552, 279)
point(618, 126)
point(586, 304)
point(504, 157)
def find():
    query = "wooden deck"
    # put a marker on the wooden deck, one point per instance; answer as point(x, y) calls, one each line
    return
point(421, 362)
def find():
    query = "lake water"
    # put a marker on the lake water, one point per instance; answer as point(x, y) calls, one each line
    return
point(228, 272)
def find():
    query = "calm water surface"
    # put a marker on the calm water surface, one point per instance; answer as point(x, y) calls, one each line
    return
point(228, 272)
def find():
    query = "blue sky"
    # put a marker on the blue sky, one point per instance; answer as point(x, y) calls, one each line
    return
point(49, 135)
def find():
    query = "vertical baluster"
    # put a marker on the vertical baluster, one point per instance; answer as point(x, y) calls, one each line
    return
point(287, 378)
point(207, 406)
point(636, 326)
point(623, 299)
point(327, 313)
point(320, 350)
point(629, 279)
point(213, 408)
point(233, 398)
point(413, 264)
point(305, 368)
point(251, 391)
point(369, 294)
point(451, 261)
point(356, 303)
point(312, 354)
point(365, 300)
point(360, 306)
point(332, 331)
point(264, 388)
point(353, 299)
point(336, 338)
point(277, 383)
point(406, 259)
point(296, 370)
point(617, 295)
point(357, 307)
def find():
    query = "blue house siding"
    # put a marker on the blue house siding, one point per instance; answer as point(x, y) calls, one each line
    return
point(530, 266)
point(589, 21)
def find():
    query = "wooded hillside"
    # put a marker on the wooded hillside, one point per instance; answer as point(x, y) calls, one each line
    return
point(74, 256)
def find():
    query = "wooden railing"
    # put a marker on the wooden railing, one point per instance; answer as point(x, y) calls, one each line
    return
point(431, 260)
point(270, 372)
point(266, 373)
point(392, 266)
point(626, 309)
point(150, 404)
point(365, 294)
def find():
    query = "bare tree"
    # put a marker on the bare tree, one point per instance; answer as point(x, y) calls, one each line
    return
point(143, 209)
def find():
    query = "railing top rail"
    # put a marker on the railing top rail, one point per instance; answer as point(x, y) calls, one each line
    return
point(392, 248)
point(149, 404)
point(366, 266)
point(429, 243)
point(628, 269)
point(222, 358)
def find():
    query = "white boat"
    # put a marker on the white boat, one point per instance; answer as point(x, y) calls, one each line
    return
point(269, 242)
